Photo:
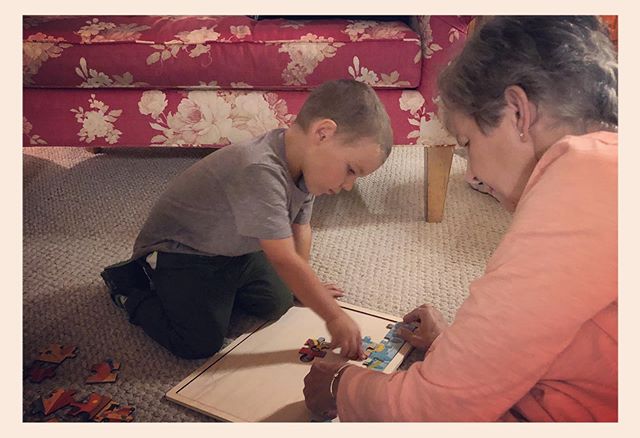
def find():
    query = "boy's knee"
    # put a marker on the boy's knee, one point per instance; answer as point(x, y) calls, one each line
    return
point(198, 348)
point(277, 307)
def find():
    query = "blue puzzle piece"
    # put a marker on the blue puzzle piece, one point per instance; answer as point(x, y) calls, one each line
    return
point(378, 360)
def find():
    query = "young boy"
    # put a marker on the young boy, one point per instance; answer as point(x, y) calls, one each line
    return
point(233, 229)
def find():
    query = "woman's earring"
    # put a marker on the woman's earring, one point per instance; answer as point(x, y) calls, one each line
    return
point(522, 136)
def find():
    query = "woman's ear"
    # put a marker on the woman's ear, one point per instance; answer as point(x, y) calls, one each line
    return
point(522, 108)
point(323, 129)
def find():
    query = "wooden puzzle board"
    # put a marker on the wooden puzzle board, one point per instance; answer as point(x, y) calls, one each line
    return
point(259, 377)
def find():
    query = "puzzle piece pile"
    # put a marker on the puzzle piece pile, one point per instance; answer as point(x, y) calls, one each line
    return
point(313, 348)
point(94, 407)
point(379, 354)
point(49, 358)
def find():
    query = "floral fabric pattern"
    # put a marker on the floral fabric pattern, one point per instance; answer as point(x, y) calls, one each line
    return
point(427, 127)
point(34, 139)
point(100, 31)
point(370, 77)
point(305, 57)
point(183, 52)
point(35, 54)
point(192, 81)
point(213, 118)
point(94, 79)
point(97, 123)
point(371, 30)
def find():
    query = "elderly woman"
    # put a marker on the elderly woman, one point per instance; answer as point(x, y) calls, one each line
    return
point(534, 99)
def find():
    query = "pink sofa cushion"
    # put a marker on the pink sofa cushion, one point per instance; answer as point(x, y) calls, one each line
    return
point(232, 52)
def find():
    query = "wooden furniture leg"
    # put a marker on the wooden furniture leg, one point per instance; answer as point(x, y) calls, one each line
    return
point(437, 165)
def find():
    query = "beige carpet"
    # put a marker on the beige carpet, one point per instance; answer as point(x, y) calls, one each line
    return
point(82, 212)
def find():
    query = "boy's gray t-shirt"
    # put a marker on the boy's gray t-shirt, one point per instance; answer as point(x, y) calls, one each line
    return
point(226, 202)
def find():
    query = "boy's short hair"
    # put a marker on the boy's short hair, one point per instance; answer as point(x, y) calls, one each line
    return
point(354, 107)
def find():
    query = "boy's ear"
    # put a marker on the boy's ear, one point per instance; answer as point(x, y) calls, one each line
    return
point(323, 129)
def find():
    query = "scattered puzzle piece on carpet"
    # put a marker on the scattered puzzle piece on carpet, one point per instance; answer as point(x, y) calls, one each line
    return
point(55, 400)
point(104, 372)
point(57, 353)
point(39, 371)
point(113, 412)
point(313, 348)
point(87, 409)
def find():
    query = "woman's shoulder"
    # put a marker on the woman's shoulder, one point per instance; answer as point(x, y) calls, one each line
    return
point(593, 146)
point(577, 159)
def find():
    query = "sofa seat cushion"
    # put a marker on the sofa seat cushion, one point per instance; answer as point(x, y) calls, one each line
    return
point(229, 52)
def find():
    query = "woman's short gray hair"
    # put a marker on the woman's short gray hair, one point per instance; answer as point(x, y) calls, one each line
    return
point(565, 64)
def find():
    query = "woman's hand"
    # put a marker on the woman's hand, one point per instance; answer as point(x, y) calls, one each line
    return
point(431, 324)
point(317, 394)
point(345, 334)
point(334, 290)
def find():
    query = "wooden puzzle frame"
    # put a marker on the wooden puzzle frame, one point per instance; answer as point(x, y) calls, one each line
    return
point(259, 377)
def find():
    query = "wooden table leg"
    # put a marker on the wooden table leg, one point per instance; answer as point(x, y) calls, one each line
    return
point(437, 165)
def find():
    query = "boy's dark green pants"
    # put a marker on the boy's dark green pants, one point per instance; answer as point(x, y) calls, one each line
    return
point(189, 310)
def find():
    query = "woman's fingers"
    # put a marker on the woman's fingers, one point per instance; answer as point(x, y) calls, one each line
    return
point(409, 337)
point(415, 314)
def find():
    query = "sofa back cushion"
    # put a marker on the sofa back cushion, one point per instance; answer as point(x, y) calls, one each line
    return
point(228, 52)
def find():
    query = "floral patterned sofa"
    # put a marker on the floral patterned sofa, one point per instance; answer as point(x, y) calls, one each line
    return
point(207, 81)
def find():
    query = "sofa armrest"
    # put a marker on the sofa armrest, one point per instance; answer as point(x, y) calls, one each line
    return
point(442, 37)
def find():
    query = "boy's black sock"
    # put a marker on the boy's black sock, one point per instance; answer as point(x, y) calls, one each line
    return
point(127, 275)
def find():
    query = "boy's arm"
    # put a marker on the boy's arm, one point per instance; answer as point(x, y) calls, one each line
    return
point(298, 275)
point(302, 240)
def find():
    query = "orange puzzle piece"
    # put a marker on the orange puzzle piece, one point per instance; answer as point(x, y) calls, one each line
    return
point(89, 407)
point(104, 372)
point(57, 353)
point(116, 413)
point(55, 400)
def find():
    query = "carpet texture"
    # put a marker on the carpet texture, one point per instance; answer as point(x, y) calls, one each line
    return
point(82, 212)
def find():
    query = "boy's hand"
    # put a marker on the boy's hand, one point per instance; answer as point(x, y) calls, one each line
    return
point(432, 323)
point(345, 334)
point(334, 290)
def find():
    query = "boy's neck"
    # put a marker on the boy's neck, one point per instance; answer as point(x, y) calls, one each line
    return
point(294, 147)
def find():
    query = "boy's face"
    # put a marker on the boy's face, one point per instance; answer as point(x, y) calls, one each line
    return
point(334, 165)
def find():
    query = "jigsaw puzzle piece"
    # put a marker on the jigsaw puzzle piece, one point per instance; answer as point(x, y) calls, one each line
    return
point(104, 372)
point(39, 371)
point(90, 407)
point(380, 354)
point(113, 412)
point(57, 353)
point(313, 348)
point(308, 354)
point(55, 400)
point(368, 346)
